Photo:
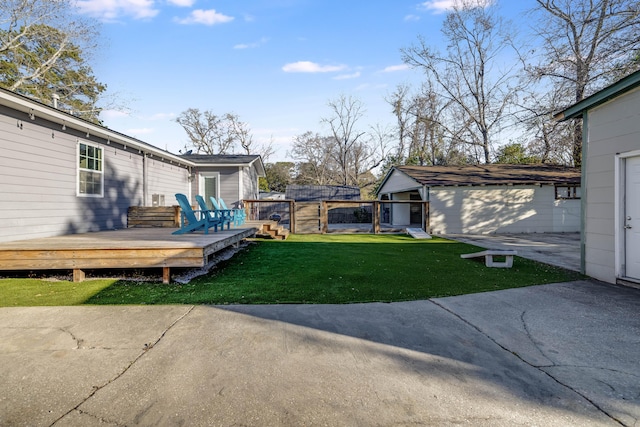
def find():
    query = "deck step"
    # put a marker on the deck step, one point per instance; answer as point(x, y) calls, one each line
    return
point(271, 230)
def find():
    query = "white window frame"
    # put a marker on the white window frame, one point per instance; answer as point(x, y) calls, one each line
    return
point(80, 170)
point(201, 184)
point(574, 192)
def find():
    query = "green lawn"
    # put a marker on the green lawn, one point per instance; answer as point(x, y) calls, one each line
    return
point(308, 269)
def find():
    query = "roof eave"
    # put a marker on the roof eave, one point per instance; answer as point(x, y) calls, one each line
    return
point(24, 104)
point(621, 86)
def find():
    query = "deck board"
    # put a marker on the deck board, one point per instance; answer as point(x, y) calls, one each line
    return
point(119, 249)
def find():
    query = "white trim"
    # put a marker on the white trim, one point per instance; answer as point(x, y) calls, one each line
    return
point(208, 174)
point(620, 189)
point(101, 171)
point(241, 172)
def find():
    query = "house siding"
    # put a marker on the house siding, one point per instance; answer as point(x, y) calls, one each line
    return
point(167, 180)
point(229, 185)
point(613, 128)
point(250, 184)
point(38, 180)
point(501, 209)
point(398, 182)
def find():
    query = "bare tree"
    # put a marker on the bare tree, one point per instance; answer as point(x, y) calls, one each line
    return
point(585, 43)
point(400, 105)
point(466, 77)
point(212, 134)
point(548, 140)
point(314, 157)
point(346, 111)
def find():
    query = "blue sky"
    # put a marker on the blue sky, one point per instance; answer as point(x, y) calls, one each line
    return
point(275, 63)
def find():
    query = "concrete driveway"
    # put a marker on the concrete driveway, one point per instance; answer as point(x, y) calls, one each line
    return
point(560, 249)
point(561, 354)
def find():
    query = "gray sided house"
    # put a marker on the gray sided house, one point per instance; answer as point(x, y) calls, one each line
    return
point(611, 180)
point(62, 175)
point(231, 177)
point(483, 199)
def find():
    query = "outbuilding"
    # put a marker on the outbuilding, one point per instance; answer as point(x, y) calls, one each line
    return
point(483, 199)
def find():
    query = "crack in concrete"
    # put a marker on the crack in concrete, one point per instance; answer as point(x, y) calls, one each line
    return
point(102, 420)
point(593, 403)
point(146, 348)
point(77, 340)
point(530, 336)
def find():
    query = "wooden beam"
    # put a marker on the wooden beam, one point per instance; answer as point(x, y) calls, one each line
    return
point(292, 216)
point(78, 275)
point(376, 217)
point(166, 275)
point(324, 217)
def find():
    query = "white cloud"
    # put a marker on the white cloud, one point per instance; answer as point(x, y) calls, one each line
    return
point(411, 18)
point(441, 6)
point(311, 67)
point(206, 17)
point(182, 3)
point(110, 10)
point(394, 68)
point(347, 76)
point(251, 45)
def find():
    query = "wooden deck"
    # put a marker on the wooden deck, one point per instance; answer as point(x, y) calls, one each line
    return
point(138, 248)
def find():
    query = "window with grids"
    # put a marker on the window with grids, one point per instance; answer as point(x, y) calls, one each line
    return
point(567, 192)
point(90, 171)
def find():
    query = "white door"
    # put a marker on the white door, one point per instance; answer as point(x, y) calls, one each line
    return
point(209, 186)
point(632, 218)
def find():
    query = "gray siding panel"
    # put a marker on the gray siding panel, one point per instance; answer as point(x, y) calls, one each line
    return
point(612, 128)
point(166, 179)
point(38, 181)
point(250, 184)
point(229, 186)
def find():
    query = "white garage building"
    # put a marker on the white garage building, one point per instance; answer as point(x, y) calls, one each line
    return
point(483, 199)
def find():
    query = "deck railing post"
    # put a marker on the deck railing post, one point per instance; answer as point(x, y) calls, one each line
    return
point(292, 216)
point(376, 217)
point(425, 215)
point(324, 217)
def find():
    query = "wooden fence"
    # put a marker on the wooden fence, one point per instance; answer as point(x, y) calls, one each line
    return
point(313, 217)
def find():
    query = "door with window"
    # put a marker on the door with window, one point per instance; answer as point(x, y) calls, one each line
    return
point(632, 218)
point(209, 186)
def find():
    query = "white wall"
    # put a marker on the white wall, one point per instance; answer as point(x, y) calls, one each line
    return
point(613, 127)
point(501, 209)
point(401, 212)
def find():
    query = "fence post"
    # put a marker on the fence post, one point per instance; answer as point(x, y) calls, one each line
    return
point(324, 217)
point(425, 215)
point(292, 216)
point(376, 217)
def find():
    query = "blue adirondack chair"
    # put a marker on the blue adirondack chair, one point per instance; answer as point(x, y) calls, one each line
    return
point(193, 220)
point(217, 216)
point(225, 213)
point(239, 215)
